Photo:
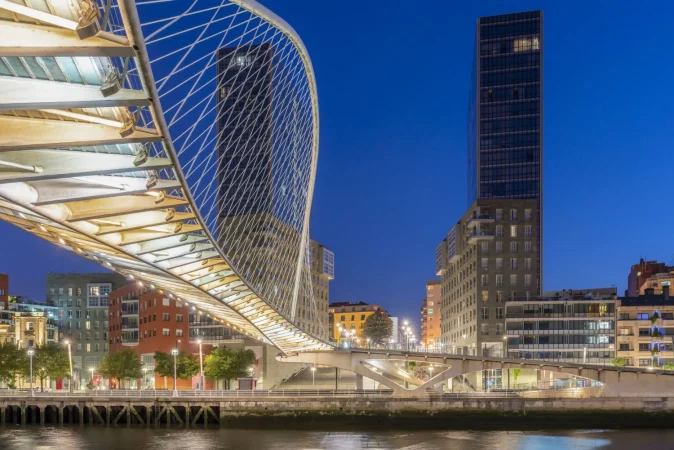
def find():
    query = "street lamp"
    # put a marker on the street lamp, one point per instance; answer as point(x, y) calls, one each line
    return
point(313, 375)
point(201, 364)
point(31, 352)
point(368, 342)
point(174, 352)
point(70, 360)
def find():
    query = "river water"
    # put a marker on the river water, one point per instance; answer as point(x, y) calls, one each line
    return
point(43, 438)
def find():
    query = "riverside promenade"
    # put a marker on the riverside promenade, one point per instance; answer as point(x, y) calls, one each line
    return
point(307, 409)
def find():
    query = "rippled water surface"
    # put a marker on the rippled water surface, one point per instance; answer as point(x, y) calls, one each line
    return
point(106, 438)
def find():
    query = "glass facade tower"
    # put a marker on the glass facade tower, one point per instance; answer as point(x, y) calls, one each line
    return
point(505, 132)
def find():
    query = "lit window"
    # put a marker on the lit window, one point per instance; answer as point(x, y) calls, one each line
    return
point(166, 332)
point(513, 230)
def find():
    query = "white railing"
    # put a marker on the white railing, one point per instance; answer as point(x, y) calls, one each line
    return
point(152, 393)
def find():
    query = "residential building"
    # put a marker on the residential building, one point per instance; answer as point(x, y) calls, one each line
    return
point(638, 319)
point(349, 318)
point(82, 302)
point(146, 321)
point(4, 290)
point(576, 326)
point(430, 315)
point(505, 129)
point(487, 258)
point(658, 282)
point(642, 271)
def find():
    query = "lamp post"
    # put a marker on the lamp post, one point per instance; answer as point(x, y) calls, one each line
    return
point(368, 342)
point(91, 369)
point(70, 360)
point(174, 352)
point(31, 352)
point(313, 375)
point(201, 364)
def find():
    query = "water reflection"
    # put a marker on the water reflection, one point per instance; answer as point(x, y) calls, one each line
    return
point(158, 439)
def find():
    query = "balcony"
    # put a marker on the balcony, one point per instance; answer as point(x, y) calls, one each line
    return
point(480, 236)
point(480, 219)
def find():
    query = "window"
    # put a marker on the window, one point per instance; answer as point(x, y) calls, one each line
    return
point(499, 312)
point(513, 230)
point(179, 317)
point(485, 296)
point(527, 279)
point(70, 292)
point(642, 316)
point(166, 332)
point(513, 214)
point(60, 291)
point(527, 247)
point(513, 247)
point(644, 362)
point(353, 317)
point(165, 301)
point(499, 230)
point(70, 313)
point(499, 279)
point(499, 247)
point(499, 263)
point(499, 329)
point(527, 263)
point(87, 325)
point(527, 230)
point(513, 263)
point(179, 333)
point(484, 329)
point(485, 246)
point(484, 314)
point(79, 347)
point(527, 214)
point(96, 324)
point(499, 297)
point(499, 214)
point(78, 302)
point(88, 347)
point(485, 280)
point(513, 279)
point(342, 319)
point(485, 263)
point(625, 346)
point(79, 291)
point(644, 331)
point(88, 313)
point(166, 317)
point(643, 347)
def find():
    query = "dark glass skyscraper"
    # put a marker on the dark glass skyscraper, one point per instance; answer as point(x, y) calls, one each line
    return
point(244, 129)
point(505, 133)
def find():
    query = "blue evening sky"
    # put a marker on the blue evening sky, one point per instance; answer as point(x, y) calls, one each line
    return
point(393, 80)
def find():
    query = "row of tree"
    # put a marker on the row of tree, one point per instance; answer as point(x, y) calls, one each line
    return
point(50, 361)
point(221, 364)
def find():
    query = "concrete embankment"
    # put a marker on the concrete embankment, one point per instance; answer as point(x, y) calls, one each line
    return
point(342, 413)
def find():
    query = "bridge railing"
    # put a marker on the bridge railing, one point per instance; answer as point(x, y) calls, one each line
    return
point(144, 393)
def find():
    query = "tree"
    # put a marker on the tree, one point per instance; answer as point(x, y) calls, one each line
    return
point(50, 361)
point(515, 373)
point(13, 362)
point(620, 362)
point(226, 364)
point(378, 327)
point(668, 366)
point(186, 365)
point(120, 366)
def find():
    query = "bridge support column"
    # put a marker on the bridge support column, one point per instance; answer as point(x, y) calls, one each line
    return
point(359, 382)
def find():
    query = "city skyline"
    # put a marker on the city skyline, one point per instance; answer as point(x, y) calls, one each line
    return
point(339, 220)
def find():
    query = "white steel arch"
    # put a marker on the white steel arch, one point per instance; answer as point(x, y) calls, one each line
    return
point(90, 161)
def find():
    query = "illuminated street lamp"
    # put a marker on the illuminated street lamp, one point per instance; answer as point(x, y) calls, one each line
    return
point(201, 364)
point(70, 360)
point(174, 352)
point(368, 342)
point(31, 352)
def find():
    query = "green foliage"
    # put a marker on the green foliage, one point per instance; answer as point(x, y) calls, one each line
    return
point(13, 362)
point(187, 366)
point(515, 373)
point(50, 361)
point(655, 316)
point(412, 365)
point(668, 366)
point(378, 327)
point(227, 364)
point(121, 366)
point(619, 362)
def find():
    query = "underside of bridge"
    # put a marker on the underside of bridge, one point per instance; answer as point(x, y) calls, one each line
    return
point(175, 143)
point(421, 374)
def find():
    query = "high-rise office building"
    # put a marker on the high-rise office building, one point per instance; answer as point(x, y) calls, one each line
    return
point(505, 129)
point(430, 316)
point(494, 252)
